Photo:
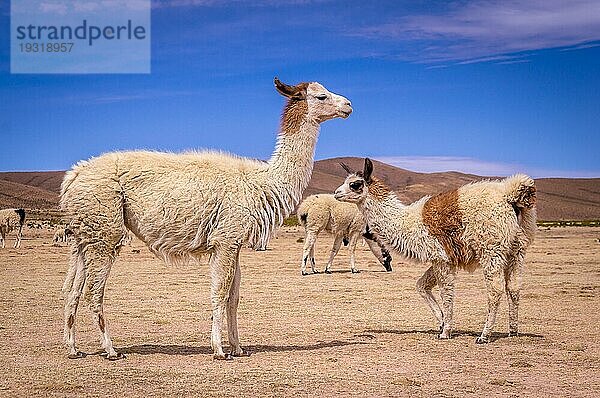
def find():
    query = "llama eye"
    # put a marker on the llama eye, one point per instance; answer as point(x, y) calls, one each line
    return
point(356, 185)
point(321, 97)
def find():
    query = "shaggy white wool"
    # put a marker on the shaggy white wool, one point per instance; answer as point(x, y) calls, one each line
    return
point(186, 205)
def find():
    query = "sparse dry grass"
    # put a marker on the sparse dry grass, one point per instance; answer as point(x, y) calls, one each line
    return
point(360, 335)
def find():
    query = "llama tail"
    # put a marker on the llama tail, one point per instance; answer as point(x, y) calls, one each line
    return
point(302, 213)
point(302, 218)
point(521, 194)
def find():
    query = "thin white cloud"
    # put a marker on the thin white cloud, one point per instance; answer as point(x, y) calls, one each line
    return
point(86, 6)
point(65, 7)
point(581, 47)
point(433, 164)
point(516, 61)
point(210, 3)
point(184, 3)
point(59, 8)
point(483, 29)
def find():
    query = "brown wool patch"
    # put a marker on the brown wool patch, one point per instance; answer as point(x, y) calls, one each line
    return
point(293, 114)
point(378, 189)
point(443, 219)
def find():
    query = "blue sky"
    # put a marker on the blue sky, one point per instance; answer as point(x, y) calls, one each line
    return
point(486, 87)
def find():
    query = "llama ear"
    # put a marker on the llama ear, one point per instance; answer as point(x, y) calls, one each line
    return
point(288, 91)
point(347, 168)
point(368, 170)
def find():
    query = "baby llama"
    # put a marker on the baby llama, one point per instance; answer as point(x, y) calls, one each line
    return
point(188, 205)
point(488, 224)
point(347, 224)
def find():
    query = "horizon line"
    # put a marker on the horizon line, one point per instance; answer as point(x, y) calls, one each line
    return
point(439, 164)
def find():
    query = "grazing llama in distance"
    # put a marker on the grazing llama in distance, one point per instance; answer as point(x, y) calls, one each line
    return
point(11, 219)
point(322, 212)
point(488, 224)
point(188, 205)
point(60, 235)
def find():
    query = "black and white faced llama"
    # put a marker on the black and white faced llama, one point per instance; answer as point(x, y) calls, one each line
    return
point(487, 224)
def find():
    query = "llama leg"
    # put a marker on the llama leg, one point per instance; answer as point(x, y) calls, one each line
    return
point(379, 251)
point(352, 249)
point(19, 236)
point(337, 243)
point(494, 281)
point(512, 278)
point(312, 258)
point(232, 306)
point(72, 289)
point(308, 251)
point(2, 237)
point(99, 259)
point(445, 278)
point(424, 285)
point(222, 270)
point(105, 339)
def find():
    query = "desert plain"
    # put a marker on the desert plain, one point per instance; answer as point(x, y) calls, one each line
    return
point(360, 335)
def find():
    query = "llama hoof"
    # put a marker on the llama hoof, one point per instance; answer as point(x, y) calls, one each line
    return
point(77, 355)
point(242, 353)
point(482, 340)
point(387, 264)
point(513, 333)
point(443, 336)
point(116, 357)
point(304, 273)
point(355, 271)
point(327, 271)
point(223, 357)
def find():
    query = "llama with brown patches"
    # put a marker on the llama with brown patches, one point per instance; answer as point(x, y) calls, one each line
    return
point(188, 205)
point(11, 219)
point(322, 212)
point(487, 224)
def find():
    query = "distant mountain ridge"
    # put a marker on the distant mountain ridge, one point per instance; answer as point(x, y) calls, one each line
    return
point(558, 198)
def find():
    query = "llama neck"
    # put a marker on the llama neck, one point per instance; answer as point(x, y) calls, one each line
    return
point(288, 172)
point(398, 225)
point(291, 164)
point(378, 210)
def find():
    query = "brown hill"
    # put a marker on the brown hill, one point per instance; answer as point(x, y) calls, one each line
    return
point(13, 194)
point(558, 198)
point(46, 180)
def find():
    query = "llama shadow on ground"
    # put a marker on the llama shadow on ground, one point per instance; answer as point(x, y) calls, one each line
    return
point(455, 333)
point(360, 271)
point(174, 349)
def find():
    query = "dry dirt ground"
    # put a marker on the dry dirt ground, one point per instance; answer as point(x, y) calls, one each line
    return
point(367, 334)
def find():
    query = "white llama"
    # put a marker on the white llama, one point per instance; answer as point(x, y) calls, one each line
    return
point(187, 205)
point(11, 219)
point(488, 224)
point(61, 235)
point(322, 212)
